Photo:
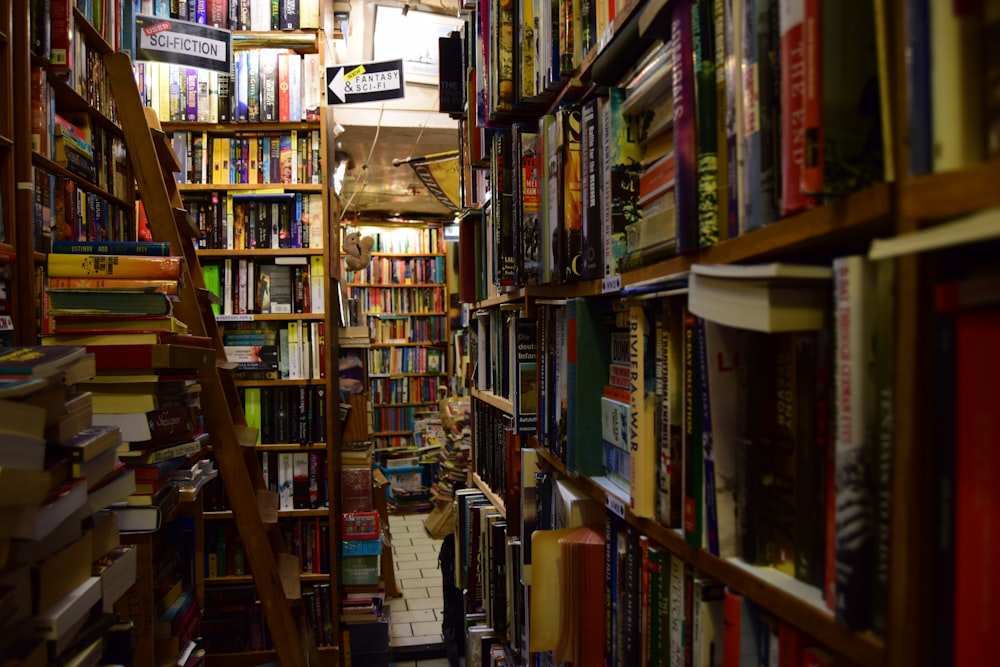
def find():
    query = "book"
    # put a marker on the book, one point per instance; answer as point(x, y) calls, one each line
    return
point(151, 356)
point(85, 301)
point(145, 429)
point(87, 337)
point(22, 435)
point(115, 284)
point(113, 266)
point(855, 434)
point(21, 486)
point(36, 521)
point(92, 441)
point(642, 438)
point(37, 361)
point(155, 248)
point(761, 305)
point(62, 618)
point(140, 323)
point(160, 453)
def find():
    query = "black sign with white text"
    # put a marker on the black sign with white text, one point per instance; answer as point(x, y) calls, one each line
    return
point(183, 43)
point(369, 82)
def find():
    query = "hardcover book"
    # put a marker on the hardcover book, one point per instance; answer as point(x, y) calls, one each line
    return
point(113, 266)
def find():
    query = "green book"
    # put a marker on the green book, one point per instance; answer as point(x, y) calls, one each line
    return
point(112, 302)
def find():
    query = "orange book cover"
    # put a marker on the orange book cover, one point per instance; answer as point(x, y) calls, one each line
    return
point(113, 266)
point(137, 284)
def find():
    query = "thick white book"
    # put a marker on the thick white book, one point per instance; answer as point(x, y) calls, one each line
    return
point(759, 305)
point(58, 619)
point(771, 271)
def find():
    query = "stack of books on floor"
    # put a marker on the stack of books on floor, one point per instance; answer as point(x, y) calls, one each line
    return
point(62, 566)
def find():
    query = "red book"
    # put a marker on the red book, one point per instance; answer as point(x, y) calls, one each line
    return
point(283, 93)
point(977, 495)
point(656, 179)
point(148, 356)
point(61, 35)
point(793, 89)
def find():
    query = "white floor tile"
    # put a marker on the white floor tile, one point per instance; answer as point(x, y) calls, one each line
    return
point(416, 616)
point(401, 630)
point(423, 603)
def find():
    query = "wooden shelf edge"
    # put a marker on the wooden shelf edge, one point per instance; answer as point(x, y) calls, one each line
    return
point(236, 127)
point(48, 165)
point(227, 515)
point(862, 649)
point(951, 194)
point(259, 252)
point(257, 657)
point(862, 210)
point(494, 499)
point(237, 187)
point(498, 402)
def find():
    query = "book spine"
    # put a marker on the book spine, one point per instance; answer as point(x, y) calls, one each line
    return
point(692, 436)
point(918, 80)
point(707, 151)
point(118, 266)
point(734, 113)
point(793, 108)
point(685, 143)
point(855, 433)
point(642, 480)
point(571, 172)
point(155, 248)
point(707, 445)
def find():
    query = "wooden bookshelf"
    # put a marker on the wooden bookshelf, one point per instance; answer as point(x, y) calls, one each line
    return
point(496, 500)
point(498, 402)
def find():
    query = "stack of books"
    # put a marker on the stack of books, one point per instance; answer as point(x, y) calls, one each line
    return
point(117, 300)
point(63, 567)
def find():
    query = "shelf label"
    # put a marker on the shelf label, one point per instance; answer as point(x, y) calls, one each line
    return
point(616, 506)
point(611, 284)
point(370, 82)
point(186, 43)
point(234, 318)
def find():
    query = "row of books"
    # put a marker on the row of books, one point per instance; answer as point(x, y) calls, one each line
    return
point(403, 240)
point(397, 360)
point(400, 301)
point(287, 414)
point(63, 210)
point(234, 618)
point(638, 385)
point(402, 330)
point(299, 478)
point(73, 142)
point(289, 285)
point(291, 351)
point(410, 271)
point(267, 158)
point(387, 390)
point(254, 221)
point(308, 539)
point(58, 38)
point(254, 15)
point(268, 86)
point(598, 157)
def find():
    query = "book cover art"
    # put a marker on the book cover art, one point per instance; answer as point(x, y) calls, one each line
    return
point(526, 377)
point(528, 227)
point(571, 166)
point(621, 177)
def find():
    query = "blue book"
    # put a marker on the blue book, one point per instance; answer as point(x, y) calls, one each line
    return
point(151, 248)
point(918, 72)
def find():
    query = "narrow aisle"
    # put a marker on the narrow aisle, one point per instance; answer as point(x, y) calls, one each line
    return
point(415, 632)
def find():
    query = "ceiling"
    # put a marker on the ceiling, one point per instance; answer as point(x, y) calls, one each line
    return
point(377, 134)
point(374, 188)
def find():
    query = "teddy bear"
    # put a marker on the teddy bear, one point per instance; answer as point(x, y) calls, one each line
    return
point(357, 251)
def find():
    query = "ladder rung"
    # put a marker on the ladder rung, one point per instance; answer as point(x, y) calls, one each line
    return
point(184, 224)
point(288, 571)
point(267, 503)
point(207, 297)
point(247, 436)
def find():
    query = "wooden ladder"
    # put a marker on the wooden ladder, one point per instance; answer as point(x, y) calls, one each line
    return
point(255, 509)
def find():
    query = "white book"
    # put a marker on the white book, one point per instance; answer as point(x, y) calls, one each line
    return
point(58, 620)
point(758, 305)
point(286, 477)
point(295, 64)
point(774, 270)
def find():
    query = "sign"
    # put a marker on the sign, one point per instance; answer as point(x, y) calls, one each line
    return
point(369, 82)
point(184, 43)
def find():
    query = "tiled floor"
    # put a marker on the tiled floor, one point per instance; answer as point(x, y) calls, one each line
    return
point(416, 614)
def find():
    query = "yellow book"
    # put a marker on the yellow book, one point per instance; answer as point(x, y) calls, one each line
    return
point(116, 266)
